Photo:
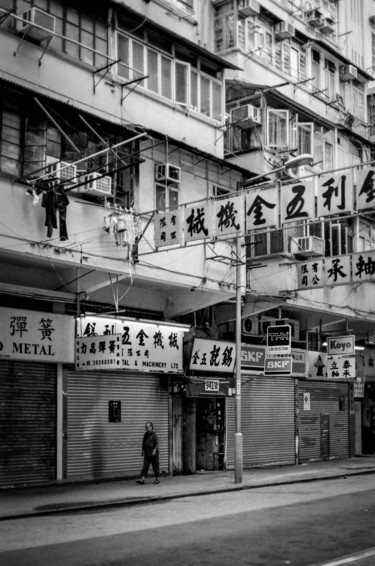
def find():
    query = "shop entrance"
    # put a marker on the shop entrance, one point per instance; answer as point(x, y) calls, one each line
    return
point(210, 433)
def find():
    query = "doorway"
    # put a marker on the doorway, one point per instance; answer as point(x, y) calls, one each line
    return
point(210, 433)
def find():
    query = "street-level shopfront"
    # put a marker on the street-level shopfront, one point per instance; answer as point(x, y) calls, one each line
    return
point(33, 345)
point(122, 378)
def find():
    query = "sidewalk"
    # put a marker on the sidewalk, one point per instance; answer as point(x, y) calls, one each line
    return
point(67, 497)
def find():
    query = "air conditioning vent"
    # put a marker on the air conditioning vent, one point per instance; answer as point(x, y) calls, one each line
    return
point(245, 116)
point(314, 18)
point(33, 18)
point(284, 30)
point(348, 72)
point(95, 184)
point(328, 26)
point(166, 172)
point(61, 171)
point(249, 8)
point(310, 246)
point(250, 325)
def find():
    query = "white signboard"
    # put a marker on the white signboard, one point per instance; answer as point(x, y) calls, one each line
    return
point(145, 346)
point(212, 385)
point(341, 345)
point(341, 367)
point(213, 355)
point(102, 352)
point(36, 336)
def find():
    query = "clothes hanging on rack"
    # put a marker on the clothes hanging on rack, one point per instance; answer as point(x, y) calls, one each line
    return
point(55, 200)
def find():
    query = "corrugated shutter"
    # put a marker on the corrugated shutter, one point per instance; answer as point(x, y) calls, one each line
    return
point(324, 401)
point(27, 423)
point(96, 447)
point(267, 422)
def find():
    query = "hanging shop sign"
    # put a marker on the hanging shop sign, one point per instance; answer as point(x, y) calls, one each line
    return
point(341, 367)
point(212, 385)
point(279, 339)
point(36, 336)
point(268, 208)
point(353, 268)
point(212, 356)
point(127, 344)
point(341, 345)
point(278, 366)
point(253, 359)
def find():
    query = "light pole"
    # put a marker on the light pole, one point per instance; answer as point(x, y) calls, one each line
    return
point(298, 161)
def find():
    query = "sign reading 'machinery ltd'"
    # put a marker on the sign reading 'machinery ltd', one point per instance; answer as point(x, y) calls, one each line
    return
point(36, 336)
point(126, 344)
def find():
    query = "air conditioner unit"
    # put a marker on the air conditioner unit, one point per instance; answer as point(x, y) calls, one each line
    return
point(372, 20)
point(248, 8)
point(96, 184)
point(245, 116)
point(284, 30)
point(348, 72)
point(36, 17)
point(310, 246)
point(314, 18)
point(61, 171)
point(249, 325)
point(168, 172)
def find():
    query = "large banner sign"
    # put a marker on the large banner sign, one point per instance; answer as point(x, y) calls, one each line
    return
point(213, 356)
point(36, 336)
point(268, 207)
point(126, 344)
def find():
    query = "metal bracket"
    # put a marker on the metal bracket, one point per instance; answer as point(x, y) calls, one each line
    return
point(105, 67)
point(129, 83)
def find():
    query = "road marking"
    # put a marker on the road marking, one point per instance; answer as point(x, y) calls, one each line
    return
point(349, 559)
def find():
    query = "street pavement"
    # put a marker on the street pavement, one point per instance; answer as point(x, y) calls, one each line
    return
point(65, 496)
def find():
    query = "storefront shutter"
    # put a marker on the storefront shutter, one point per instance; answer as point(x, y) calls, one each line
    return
point(27, 423)
point(267, 422)
point(323, 420)
point(97, 447)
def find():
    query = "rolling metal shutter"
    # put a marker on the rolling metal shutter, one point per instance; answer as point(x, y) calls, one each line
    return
point(27, 423)
point(324, 402)
point(97, 447)
point(268, 421)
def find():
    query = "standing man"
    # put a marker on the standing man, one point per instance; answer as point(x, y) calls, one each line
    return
point(150, 453)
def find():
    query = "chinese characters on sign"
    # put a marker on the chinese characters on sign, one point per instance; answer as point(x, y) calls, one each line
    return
point(213, 356)
point(127, 344)
point(37, 336)
point(341, 359)
point(266, 208)
point(336, 270)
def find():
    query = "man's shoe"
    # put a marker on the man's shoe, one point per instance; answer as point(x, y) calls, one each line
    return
point(156, 481)
point(140, 482)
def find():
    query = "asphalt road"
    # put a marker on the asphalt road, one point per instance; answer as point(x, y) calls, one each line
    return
point(298, 525)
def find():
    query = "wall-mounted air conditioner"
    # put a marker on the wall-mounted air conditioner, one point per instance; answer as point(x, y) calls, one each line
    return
point(250, 325)
point(61, 171)
point(284, 30)
point(33, 18)
point(166, 172)
point(248, 8)
point(96, 184)
point(314, 18)
point(372, 20)
point(310, 246)
point(245, 116)
point(348, 72)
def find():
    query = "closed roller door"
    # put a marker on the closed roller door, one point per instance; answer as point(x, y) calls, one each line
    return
point(97, 447)
point(326, 408)
point(268, 421)
point(27, 423)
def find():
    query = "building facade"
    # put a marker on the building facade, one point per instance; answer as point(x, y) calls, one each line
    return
point(139, 142)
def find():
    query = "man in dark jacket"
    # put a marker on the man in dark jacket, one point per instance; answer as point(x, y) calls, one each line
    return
point(150, 453)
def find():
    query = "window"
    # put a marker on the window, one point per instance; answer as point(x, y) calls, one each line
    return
point(305, 138)
point(277, 128)
point(185, 80)
point(338, 235)
point(354, 98)
point(323, 148)
point(166, 196)
point(315, 69)
point(329, 76)
point(265, 243)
